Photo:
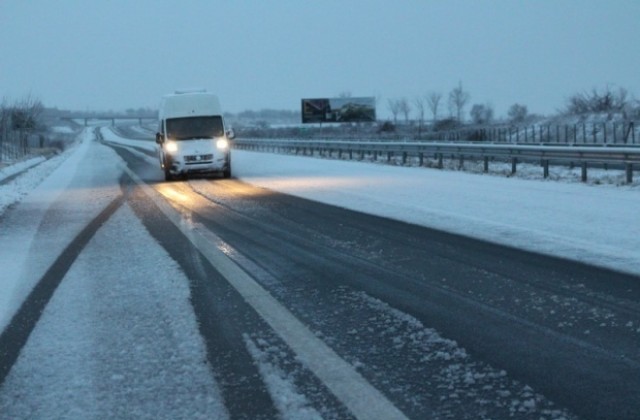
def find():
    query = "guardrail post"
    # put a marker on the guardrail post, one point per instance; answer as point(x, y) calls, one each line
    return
point(584, 172)
point(514, 164)
point(404, 158)
point(421, 158)
point(629, 170)
point(440, 163)
point(486, 164)
point(545, 168)
point(389, 154)
point(461, 162)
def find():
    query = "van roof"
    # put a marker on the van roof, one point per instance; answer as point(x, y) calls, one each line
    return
point(189, 104)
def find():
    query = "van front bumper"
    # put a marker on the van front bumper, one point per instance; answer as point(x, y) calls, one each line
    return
point(207, 163)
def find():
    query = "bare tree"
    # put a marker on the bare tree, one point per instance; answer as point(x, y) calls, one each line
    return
point(596, 102)
point(517, 113)
point(25, 118)
point(394, 107)
point(4, 123)
point(419, 103)
point(458, 99)
point(344, 94)
point(433, 101)
point(481, 114)
point(405, 109)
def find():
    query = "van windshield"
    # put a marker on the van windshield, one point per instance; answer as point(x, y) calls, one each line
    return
point(194, 128)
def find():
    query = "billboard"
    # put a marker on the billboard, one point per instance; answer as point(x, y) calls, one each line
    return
point(338, 110)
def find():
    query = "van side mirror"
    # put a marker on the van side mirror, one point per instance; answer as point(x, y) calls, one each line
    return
point(230, 134)
point(159, 138)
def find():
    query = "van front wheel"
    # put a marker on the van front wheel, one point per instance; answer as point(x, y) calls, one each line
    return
point(167, 174)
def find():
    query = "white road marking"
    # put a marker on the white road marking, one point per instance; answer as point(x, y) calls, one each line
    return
point(359, 396)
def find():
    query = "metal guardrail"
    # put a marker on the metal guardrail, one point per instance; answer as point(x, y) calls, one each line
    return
point(623, 157)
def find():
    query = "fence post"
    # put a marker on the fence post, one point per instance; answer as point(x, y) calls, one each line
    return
point(545, 166)
point(630, 130)
point(533, 133)
point(604, 127)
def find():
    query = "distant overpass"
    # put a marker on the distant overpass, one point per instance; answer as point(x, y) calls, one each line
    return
point(113, 119)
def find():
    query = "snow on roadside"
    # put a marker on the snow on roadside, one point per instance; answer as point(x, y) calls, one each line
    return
point(118, 339)
point(49, 215)
point(593, 224)
point(16, 167)
point(35, 171)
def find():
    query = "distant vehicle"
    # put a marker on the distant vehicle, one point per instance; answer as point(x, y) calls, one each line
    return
point(191, 135)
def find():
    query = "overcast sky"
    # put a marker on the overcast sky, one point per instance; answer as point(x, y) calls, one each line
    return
point(119, 54)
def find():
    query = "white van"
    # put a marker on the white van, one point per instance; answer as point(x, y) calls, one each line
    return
point(191, 135)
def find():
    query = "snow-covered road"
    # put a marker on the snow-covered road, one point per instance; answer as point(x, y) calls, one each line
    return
point(120, 334)
point(596, 223)
point(119, 337)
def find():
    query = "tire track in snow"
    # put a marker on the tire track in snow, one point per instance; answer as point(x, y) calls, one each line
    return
point(16, 334)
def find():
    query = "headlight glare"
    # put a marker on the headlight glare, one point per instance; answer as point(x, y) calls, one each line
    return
point(222, 143)
point(171, 146)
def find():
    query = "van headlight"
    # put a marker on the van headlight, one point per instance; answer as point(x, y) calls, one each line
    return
point(171, 146)
point(222, 144)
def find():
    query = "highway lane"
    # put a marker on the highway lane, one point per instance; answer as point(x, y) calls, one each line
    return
point(442, 325)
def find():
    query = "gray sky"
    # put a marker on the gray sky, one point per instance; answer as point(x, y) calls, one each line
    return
point(118, 54)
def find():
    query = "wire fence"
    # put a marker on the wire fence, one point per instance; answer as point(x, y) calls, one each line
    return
point(16, 145)
point(615, 133)
point(582, 133)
